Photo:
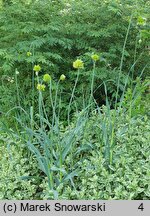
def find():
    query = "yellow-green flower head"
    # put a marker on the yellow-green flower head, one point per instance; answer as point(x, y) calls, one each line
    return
point(17, 72)
point(78, 64)
point(41, 87)
point(95, 57)
point(29, 54)
point(37, 68)
point(141, 21)
point(140, 41)
point(62, 77)
point(47, 78)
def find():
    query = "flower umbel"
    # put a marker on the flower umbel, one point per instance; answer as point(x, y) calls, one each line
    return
point(17, 72)
point(78, 64)
point(141, 21)
point(37, 68)
point(62, 77)
point(29, 54)
point(41, 87)
point(47, 78)
point(140, 41)
point(95, 57)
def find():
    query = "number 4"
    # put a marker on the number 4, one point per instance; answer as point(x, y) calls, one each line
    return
point(141, 207)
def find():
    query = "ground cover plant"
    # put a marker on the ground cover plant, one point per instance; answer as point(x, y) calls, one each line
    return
point(75, 98)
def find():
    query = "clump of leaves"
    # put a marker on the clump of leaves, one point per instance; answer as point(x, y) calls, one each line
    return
point(134, 101)
point(127, 178)
point(18, 170)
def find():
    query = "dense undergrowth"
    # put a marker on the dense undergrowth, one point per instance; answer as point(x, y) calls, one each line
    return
point(127, 178)
point(75, 98)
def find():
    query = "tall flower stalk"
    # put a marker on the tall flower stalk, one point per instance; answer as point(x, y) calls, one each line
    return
point(16, 80)
point(95, 58)
point(78, 64)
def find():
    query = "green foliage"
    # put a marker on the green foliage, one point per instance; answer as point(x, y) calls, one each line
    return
point(86, 134)
point(18, 170)
point(133, 100)
point(128, 176)
point(84, 173)
point(57, 32)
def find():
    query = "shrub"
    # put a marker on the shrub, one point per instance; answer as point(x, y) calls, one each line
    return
point(53, 34)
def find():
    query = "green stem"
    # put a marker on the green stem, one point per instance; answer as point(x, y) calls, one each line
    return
point(40, 103)
point(92, 83)
point(18, 96)
point(33, 77)
point(72, 95)
point(121, 63)
point(60, 161)
point(55, 105)
point(111, 144)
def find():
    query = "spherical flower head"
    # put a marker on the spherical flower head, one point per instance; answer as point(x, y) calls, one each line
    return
point(29, 54)
point(140, 41)
point(62, 77)
point(95, 57)
point(17, 72)
point(141, 21)
point(37, 68)
point(41, 87)
point(11, 79)
point(47, 78)
point(78, 64)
